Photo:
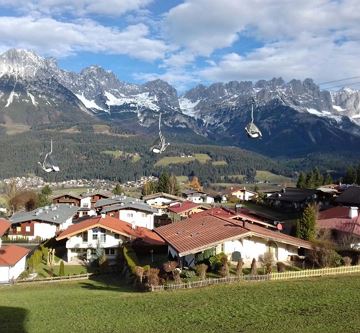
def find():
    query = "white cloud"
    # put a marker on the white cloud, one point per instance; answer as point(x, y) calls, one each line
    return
point(51, 37)
point(307, 56)
point(77, 7)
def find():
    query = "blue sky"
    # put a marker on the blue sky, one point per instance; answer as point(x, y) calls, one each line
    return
point(193, 41)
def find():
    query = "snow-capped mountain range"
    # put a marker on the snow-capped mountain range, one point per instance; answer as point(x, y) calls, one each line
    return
point(35, 90)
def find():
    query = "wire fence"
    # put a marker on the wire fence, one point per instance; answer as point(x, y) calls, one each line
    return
point(267, 277)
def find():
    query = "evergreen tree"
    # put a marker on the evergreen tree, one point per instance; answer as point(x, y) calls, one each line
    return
point(46, 190)
point(318, 178)
point(118, 189)
point(42, 200)
point(350, 176)
point(174, 188)
point(305, 226)
point(150, 187)
point(163, 183)
point(301, 181)
point(328, 179)
point(309, 180)
point(62, 269)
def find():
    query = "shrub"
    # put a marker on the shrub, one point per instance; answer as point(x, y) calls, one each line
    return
point(267, 261)
point(130, 258)
point(170, 266)
point(62, 269)
point(239, 268)
point(224, 269)
point(215, 261)
point(176, 274)
point(153, 277)
point(280, 267)
point(187, 274)
point(347, 261)
point(323, 255)
point(253, 270)
point(139, 272)
point(201, 271)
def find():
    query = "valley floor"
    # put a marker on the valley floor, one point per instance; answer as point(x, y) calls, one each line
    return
point(313, 305)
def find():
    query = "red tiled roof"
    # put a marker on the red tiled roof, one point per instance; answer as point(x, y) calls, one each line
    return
point(338, 218)
point(4, 226)
point(201, 232)
point(183, 207)
point(216, 211)
point(108, 222)
point(115, 225)
point(11, 254)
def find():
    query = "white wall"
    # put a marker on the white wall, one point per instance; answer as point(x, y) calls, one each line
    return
point(85, 202)
point(138, 218)
point(7, 272)
point(44, 230)
point(159, 201)
point(76, 242)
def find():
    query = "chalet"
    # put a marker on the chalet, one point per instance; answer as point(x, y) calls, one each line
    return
point(242, 194)
point(161, 201)
point(197, 196)
point(12, 257)
point(96, 196)
point(237, 239)
point(184, 209)
point(350, 197)
point(135, 212)
point(105, 232)
point(343, 223)
point(42, 223)
point(83, 202)
point(292, 198)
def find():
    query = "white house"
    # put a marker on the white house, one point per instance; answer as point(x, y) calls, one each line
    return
point(242, 194)
point(198, 197)
point(85, 203)
point(136, 212)
point(42, 223)
point(237, 239)
point(161, 201)
point(12, 262)
point(105, 232)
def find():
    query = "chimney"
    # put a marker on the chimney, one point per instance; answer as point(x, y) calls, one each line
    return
point(353, 212)
point(133, 226)
point(103, 215)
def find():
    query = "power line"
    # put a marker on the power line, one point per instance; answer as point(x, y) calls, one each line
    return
point(334, 81)
point(342, 85)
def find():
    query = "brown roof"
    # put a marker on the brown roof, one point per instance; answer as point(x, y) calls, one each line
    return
point(4, 226)
point(183, 207)
point(338, 218)
point(115, 225)
point(11, 254)
point(201, 232)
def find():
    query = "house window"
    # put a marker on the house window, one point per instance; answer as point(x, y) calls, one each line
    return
point(27, 229)
point(85, 236)
point(143, 214)
point(95, 233)
point(116, 236)
point(130, 215)
point(112, 251)
point(107, 251)
point(18, 229)
point(103, 238)
point(112, 214)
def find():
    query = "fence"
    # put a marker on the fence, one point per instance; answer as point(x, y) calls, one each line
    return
point(274, 276)
point(58, 278)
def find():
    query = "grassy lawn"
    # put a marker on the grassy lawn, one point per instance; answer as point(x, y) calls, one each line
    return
point(219, 163)
point(262, 175)
point(44, 271)
point(118, 153)
point(165, 161)
point(315, 305)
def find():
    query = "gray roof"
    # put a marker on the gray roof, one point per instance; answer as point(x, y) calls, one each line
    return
point(57, 214)
point(135, 205)
point(115, 200)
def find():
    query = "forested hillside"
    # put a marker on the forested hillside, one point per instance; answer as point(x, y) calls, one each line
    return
point(102, 151)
